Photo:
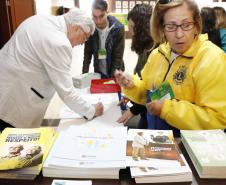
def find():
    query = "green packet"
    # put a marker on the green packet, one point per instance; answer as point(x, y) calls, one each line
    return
point(164, 91)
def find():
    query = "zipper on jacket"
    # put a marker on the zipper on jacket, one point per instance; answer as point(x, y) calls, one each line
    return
point(169, 67)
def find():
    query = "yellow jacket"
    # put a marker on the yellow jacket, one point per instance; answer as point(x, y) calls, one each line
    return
point(198, 80)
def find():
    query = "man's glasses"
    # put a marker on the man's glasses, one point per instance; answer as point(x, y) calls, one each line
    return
point(184, 26)
point(164, 1)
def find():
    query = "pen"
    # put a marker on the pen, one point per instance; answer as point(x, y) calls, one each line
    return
point(122, 105)
point(119, 96)
point(148, 93)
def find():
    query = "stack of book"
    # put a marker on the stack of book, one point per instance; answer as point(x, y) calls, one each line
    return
point(154, 157)
point(23, 151)
point(207, 150)
point(87, 152)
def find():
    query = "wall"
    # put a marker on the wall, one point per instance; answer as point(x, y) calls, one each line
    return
point(210, 3)
point(43, 6)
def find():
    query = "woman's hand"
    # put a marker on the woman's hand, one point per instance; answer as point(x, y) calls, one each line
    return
point(127, 115)
point(124, 80)
point(155, 107)
point(123, 101)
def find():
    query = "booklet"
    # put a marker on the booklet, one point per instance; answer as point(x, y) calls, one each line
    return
point(71, 182)
point(164, 91)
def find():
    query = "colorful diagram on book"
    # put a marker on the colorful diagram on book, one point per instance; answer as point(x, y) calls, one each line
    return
point(88, 144)
point(152, 148)
point(93, 140)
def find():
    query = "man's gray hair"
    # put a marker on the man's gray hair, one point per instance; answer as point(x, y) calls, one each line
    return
point(79, 17)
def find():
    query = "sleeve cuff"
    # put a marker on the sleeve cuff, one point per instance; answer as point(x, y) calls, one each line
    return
point(90, 113)
point(165, 109)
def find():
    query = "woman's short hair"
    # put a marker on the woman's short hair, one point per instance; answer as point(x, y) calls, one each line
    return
point(141, 15)
point(220, 17)
point(160, 9)
point(79, 17)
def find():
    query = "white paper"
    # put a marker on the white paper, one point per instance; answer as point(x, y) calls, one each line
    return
point(105, 98)
point(67, 113)
point(71, 182)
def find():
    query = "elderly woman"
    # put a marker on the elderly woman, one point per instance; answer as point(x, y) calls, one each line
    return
point(193, 66)
point(35, 63)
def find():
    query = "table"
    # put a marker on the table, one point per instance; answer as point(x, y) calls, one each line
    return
point(124, 177)
point(52, 117)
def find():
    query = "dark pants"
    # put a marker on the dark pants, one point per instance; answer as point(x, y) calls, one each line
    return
point(143, 123)
point(3, 125)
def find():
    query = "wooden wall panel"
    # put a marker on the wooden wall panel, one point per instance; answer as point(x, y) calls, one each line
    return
point(20, 10)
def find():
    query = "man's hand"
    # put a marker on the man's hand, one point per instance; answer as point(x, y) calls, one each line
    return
point(155, 107)
point(124, 80)
point(99, 109)
point(127, 115)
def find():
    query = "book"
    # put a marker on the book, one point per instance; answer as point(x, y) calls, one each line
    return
point(23, 151)
point(154, 156)
point(207, 150)
point(87, 152)
point(159, 148)
point(162, 174)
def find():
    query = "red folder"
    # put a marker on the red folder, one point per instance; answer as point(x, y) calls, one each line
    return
point(101, 86)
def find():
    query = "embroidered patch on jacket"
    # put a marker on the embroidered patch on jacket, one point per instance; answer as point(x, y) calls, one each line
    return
point(180, 75)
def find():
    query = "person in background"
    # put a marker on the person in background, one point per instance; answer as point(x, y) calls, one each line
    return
point(208, 25)
point(35, 63)
point(139, 26)
point(221, 24)
point(193, 66)
point(107, 43)
point(62, 10)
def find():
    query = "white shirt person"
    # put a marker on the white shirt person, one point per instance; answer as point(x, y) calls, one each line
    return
point(35, 63)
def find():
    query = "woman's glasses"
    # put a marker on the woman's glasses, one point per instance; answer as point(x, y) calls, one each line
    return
point(184, 26)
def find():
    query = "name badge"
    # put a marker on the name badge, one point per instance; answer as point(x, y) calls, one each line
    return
point(102, 54)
